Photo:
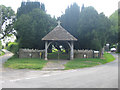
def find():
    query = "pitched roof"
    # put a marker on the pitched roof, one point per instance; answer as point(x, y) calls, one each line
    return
point(59, 33)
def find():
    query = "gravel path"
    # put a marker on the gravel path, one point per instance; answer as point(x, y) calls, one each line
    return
point(55, 65)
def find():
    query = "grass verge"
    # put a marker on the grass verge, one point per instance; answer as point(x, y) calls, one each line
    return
point(1, 53)
point(17, 63)
point(89, 62)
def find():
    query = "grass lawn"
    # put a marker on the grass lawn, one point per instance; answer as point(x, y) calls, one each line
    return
point(1, 53)
point(17, 63)
point(89, 62)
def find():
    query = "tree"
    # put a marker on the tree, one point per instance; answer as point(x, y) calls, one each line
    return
point(87, 26)
point(32, 27)
point(7, 14)
point(91, 26)
point(69, 21)
point(82, 7)
point(118, 30)
point(28, 6)
point(0, 45)
point(113, 34)
point(70, 18)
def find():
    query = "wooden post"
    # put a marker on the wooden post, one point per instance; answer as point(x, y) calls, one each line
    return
point(72, 52)
point(46, 50)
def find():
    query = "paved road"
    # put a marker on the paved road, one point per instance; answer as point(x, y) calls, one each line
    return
point(3, 59)
point(103, 76)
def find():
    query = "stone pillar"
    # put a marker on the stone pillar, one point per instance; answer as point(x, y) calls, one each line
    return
point(72, 51)
point(46, 45)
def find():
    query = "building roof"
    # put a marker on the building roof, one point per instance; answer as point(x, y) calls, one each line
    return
point(59, 34)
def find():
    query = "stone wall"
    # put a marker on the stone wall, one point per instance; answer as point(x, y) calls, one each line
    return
point(86, 54)
point(31, 53)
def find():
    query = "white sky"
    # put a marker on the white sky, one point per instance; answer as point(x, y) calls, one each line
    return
point(56, 7)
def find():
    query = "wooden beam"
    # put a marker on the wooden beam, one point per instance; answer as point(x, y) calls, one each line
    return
point(72, 51)
point(46, 46)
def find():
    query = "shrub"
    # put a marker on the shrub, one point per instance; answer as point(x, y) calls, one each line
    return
point(13, 47)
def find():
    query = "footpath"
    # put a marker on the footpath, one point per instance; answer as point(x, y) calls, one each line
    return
point(55, 65)
point(5, 57)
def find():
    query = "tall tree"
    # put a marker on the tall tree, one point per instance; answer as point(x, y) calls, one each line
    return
point(70, 18)
point(87, 26)
point(91, 26)
point(118, 30)
point(32, 27)
point(82, 7)
point(7, 14)
point(28, 6)
point(113, 34)
point(0, 45)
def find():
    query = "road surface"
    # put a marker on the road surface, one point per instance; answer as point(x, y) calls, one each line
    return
point(102, 76)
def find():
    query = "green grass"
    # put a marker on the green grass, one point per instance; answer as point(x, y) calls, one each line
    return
point(17, 63)
point(89, 62)
point(38, 64)
point(108, 57)
point(1, 53)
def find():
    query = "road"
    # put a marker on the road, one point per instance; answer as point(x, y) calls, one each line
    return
point(102, 76)
point(3, 59)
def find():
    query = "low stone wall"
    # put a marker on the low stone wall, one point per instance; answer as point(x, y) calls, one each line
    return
point(86, 54)
point(31, 53)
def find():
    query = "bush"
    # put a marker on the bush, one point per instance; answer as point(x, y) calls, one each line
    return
point(1, 53)
point(0, 45)
point(13, 47)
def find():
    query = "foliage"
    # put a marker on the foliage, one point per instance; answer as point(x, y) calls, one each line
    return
point(118, 30)
point(87, 26)
point(0, 45)
point(28, 6)
point(70, 19)
point(31, 27)
point(1, 53)
point(13, 47)
point(17, 63)
point(7, 14)
point(113, 35)
point(89, 62)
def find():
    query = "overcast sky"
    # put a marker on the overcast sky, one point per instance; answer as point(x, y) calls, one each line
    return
point(57, 7)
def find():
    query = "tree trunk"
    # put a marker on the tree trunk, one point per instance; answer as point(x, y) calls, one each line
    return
point(101, 53)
